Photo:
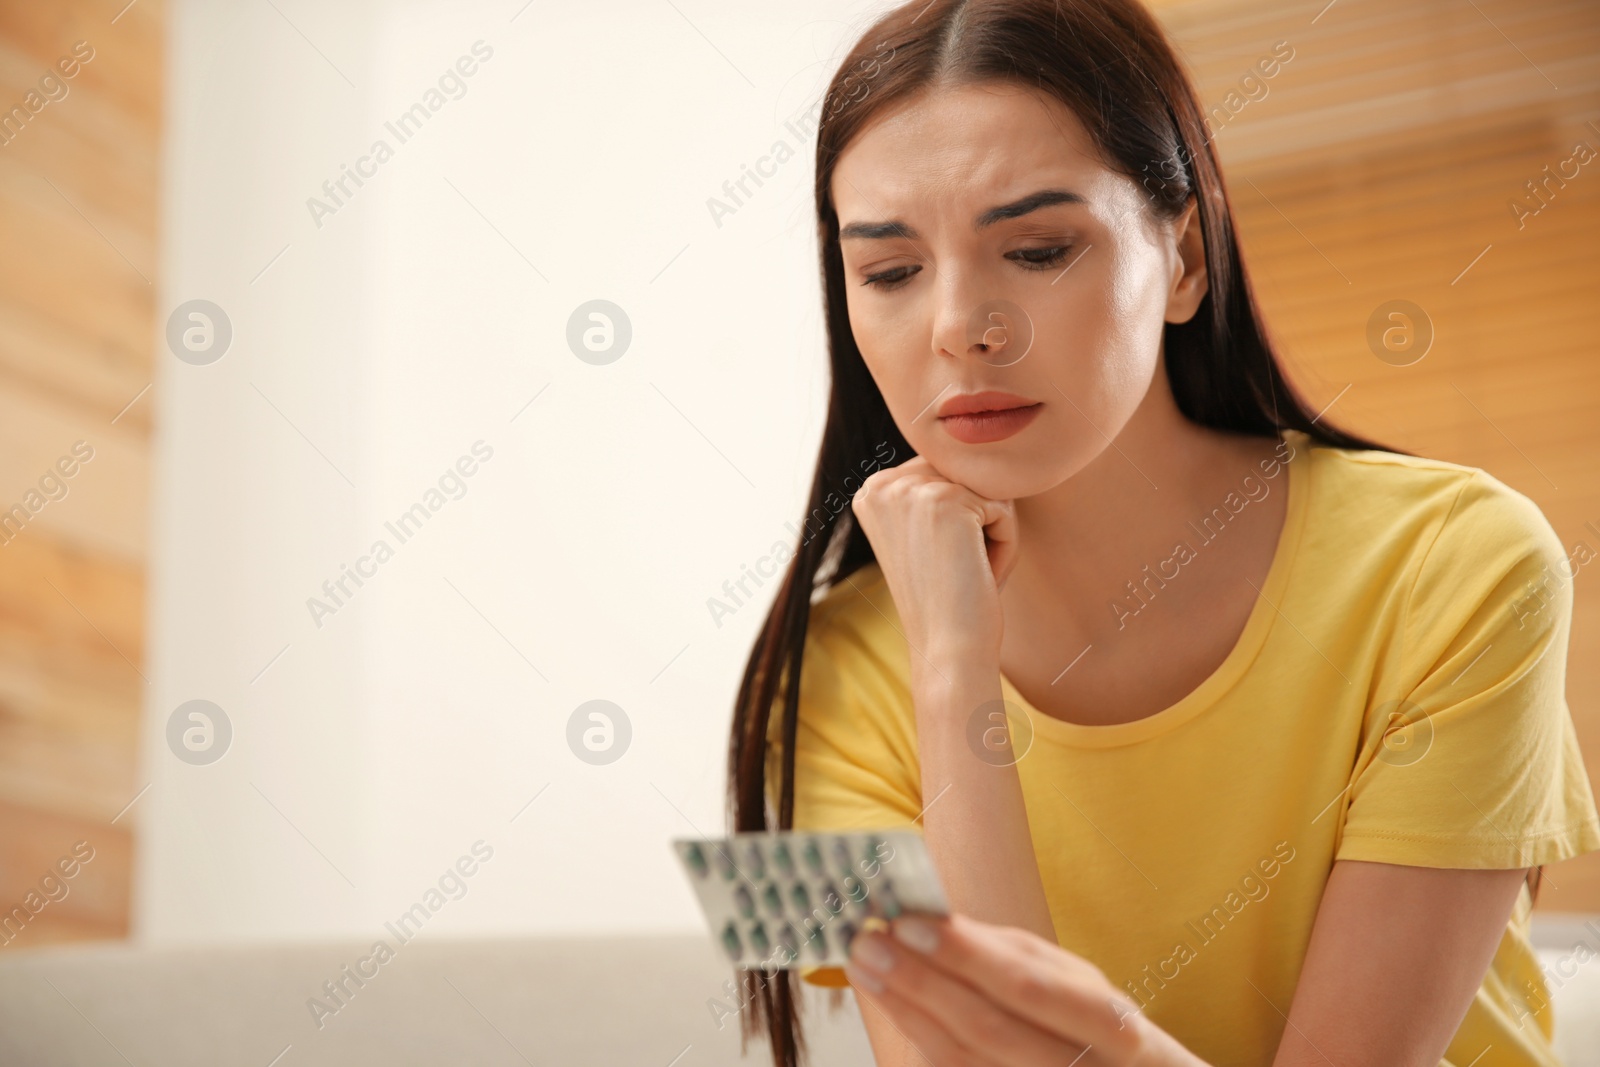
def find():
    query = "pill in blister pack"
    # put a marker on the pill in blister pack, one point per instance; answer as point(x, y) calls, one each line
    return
point(782, 899)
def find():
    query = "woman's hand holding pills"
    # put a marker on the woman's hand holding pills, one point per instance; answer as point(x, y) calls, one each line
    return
point(970, 994)
point(945, 552)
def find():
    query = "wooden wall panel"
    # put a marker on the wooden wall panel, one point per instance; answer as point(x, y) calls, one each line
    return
point(1379, 165)
point(91, 904)
point(78, 203)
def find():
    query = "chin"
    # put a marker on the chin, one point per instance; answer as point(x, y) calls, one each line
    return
point(1009, 470)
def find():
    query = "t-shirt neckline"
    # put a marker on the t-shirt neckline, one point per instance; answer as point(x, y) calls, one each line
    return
point(1263, 613)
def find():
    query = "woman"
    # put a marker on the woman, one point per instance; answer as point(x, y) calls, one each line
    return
point(1235, 738)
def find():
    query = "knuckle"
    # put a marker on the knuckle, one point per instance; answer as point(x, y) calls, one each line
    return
point(910, 983)
point(1095, 974)
point(1034, 946)
point(1030, 989)
point(1126, 1043)
point(1078, 965)
point(990, 1030)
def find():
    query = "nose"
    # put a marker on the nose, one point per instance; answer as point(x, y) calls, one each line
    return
point(953, 333)
point(978, 323)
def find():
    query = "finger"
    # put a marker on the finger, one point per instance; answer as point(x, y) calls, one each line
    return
point(997, 520)
point(1057, 991)
point(1000, 538)
point(977, 1021)
point(919, 471)
point(883, 479)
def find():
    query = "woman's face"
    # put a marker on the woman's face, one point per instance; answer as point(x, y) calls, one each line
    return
point(963, 280)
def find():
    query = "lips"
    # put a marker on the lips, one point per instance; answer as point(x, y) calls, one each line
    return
point(977, 403)
point(982, 418)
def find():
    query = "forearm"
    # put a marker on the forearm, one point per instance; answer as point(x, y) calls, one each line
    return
point(976, 822)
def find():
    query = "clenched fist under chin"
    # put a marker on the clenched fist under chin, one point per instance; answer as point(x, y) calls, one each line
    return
point(945, 552)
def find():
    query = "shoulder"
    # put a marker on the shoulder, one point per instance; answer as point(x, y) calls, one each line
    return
point(1444, 513)
point(854, 624)
point(1463, 541)
point(855, 687)
point(1387, 483)
point(855, 749)
point(855, 651)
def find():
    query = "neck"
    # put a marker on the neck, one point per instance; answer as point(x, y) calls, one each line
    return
point(1082, 540)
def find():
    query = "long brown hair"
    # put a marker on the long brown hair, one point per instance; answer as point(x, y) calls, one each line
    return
point(1111, 64)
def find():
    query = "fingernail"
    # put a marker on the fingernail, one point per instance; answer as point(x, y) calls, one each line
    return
point(870, 951)
point(918, 933)
point(862, 978)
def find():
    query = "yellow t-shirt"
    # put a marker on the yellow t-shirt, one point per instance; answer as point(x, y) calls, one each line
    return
point(1185, 853)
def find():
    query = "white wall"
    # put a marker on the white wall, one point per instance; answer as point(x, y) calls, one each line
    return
point(420, 318)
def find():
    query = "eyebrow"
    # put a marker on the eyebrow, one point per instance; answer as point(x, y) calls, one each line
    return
point(1016, 209)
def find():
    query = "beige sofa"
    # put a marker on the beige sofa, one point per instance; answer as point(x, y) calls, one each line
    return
point(644, 1001)
point(638, 1001)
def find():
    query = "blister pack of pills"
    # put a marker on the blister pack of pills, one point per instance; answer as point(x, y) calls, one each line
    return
point(788, 899)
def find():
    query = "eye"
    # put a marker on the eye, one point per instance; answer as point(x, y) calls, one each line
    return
point(1040, 258)
point(1029, 258)
point(891, 279)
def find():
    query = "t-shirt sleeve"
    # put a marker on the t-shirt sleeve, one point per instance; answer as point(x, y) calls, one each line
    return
point(856, 763)
point(1471, 761)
